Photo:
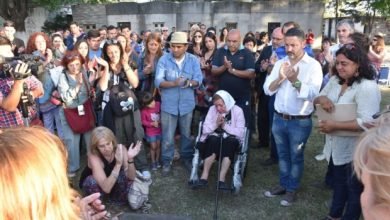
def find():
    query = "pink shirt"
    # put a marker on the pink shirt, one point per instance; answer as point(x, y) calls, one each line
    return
point(236, 126)
point(148, 116)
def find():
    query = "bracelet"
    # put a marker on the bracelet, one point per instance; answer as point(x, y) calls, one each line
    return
point(114, 174)
point(127, 69)
point(130, 162)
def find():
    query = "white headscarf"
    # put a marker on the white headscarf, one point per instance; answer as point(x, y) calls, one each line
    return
point(227, 99)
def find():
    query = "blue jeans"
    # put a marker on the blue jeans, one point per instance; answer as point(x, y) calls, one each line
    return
point(52, 121)
point(291, 137)
point(169, 123)
point(72, 142)
point(271, 109)
point(346, 193)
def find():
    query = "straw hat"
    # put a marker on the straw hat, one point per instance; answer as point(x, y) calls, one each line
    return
point(179, 38)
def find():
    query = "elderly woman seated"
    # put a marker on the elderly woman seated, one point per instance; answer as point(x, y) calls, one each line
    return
point(224, 126)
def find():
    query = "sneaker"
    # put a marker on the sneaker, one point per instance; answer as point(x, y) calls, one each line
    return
point(223, 186)
point(176, 155)
point(202, 183)
point(269, 162)
point(71, 174)
point(146, 174)
point(158, 165)
point(276, 191)
point(166, 169)
point(320, 157)
point(153, 166)
point(288, 199)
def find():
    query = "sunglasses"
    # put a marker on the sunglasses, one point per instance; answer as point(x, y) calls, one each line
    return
point(350, 46)
point(73, 56)
point(112, 41)
point(164, 30)
point(198, 36)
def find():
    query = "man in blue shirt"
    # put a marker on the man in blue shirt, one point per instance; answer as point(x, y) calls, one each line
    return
point(177, 75)
point(93, 40)
point(281, 51)
point(74, 36)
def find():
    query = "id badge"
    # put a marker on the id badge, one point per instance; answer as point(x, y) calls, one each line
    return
point(80, 109)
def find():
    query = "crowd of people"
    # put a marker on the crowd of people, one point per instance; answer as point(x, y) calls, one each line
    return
point(115, 92)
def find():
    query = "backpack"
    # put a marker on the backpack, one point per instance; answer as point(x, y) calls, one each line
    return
point(138, 195)
point(122, 100)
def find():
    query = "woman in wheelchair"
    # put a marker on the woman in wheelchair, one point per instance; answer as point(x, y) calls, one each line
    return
point(224, 120)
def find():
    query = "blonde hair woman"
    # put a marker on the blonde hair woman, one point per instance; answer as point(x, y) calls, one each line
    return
point(372, 166)
point(33, 181)
point(110, 167)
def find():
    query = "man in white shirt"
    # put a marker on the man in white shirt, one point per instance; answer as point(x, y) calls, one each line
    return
point(344, 28)
point(296, 79)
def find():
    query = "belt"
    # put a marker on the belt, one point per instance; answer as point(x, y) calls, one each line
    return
point(292, 117)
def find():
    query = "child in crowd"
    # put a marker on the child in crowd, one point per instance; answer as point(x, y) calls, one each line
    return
point(150, 117)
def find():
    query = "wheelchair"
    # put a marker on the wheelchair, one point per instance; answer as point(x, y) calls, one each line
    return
point(238, 166)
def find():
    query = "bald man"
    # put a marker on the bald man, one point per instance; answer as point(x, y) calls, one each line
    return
point(235, 68)
point(265, 109)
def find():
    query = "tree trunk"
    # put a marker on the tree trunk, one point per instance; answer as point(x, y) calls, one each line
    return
point(16, 11)
point(336, 20)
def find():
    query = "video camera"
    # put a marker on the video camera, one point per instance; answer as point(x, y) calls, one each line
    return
point(34, 64)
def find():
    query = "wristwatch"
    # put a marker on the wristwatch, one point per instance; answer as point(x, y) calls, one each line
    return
point(297, 84)
point(190, 85)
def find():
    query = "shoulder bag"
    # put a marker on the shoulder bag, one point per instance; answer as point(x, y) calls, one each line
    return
point(81, 123)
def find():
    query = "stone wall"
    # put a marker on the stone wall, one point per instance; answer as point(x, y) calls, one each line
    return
point(249, 16)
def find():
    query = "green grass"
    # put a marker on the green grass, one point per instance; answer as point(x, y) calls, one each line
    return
point(171, 195)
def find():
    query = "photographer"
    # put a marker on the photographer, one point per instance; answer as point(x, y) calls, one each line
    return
point(11, 90)
point(49, 104)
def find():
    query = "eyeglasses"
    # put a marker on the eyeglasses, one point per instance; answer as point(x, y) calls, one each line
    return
point(197, 36)
point(164, 30)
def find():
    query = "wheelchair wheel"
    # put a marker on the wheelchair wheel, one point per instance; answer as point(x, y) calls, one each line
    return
point(236, 190)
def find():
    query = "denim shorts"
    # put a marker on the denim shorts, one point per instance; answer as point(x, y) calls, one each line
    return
point(154, 138)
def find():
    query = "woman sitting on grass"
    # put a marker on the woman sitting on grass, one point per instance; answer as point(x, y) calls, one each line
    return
point(226, 119)
point(110, 167)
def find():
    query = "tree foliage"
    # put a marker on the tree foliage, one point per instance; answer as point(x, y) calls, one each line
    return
point(383, 6)
point(55, 4)
point(59, 22)
point(364, 11)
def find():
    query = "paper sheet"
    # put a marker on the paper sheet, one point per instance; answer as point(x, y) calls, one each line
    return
point(342, 112)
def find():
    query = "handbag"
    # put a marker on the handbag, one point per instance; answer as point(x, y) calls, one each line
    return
point(81, 123)
point(138, 195)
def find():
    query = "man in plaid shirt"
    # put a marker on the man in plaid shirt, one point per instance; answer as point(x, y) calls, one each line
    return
point(11, 90)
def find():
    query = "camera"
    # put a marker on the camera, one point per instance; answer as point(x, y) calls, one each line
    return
point(34, 64)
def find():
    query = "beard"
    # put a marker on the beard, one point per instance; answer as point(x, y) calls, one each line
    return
point(291, 55)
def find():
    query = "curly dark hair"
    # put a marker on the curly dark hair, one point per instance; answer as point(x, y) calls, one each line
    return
point(31, 42)
point(357, 55)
